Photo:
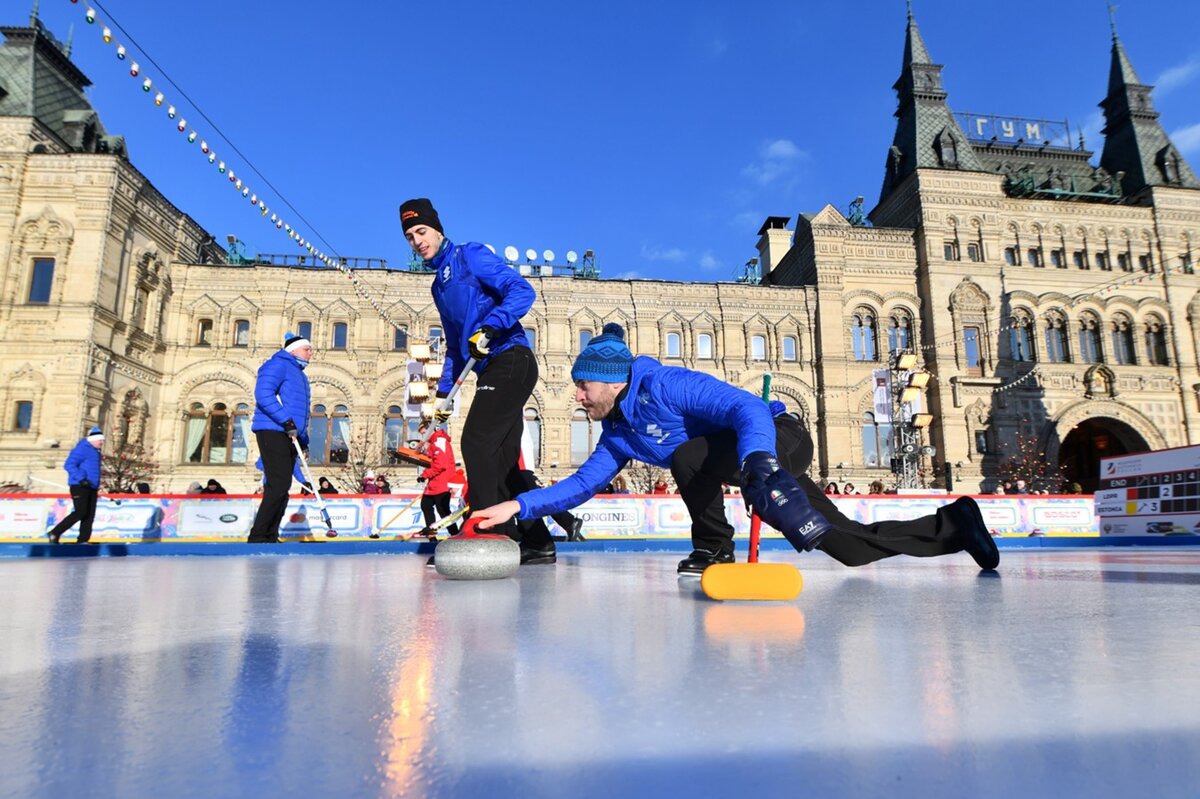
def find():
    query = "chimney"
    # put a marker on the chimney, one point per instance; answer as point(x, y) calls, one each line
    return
point(774, 240)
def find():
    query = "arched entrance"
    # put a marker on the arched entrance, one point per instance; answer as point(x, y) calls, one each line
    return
point(1091, 440)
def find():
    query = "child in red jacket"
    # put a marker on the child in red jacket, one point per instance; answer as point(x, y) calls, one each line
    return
point(437, 477)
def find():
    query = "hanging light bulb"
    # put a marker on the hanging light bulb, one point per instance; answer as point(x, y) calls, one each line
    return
point(237, 184)
point(254, 199)
point(146, 84)
point(221, 167)
point(192, 137)
point(107, 35)
point(158, 98)
point(212, 157)
point(182, 125)
point(134, 69)
point(121, 51)
point(203, 146)
point(170, 112)
point(279, 224)
point(90, 16)
point(246, 192)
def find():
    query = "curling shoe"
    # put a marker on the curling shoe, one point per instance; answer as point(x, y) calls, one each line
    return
point(538, 556)
point(964, 514)
point(701, 559)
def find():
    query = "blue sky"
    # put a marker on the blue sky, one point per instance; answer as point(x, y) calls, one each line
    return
point(659, 135)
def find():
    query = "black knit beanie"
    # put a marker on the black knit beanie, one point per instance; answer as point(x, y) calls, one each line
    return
point(419, 212)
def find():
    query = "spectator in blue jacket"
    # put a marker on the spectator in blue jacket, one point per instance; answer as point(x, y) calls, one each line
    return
point(710, 433)
point(481, 300)
point(83, 477)
point(281, 402)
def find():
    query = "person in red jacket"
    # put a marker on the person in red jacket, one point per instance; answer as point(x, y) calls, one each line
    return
point(437, 477)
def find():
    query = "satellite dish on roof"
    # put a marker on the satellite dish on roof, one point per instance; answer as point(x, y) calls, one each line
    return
point(490, 247)
point(547, 255)
point(572, 256)
point(511, 253)
point(531, 254)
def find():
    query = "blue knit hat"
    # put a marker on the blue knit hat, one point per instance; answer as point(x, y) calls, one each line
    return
point(95, 434)
point(605, 359)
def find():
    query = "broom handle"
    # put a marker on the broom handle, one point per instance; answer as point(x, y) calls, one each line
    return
point(445, 403)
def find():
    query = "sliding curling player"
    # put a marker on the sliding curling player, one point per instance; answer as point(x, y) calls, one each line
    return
point(481, 300)
point(710, 433)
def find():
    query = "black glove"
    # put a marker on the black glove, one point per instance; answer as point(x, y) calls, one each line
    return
point(420, 479)
point(776, 496)
point(478, 342)
point(86, 483)
point(289, 427)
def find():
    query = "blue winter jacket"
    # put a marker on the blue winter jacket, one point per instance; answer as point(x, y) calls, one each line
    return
point(280, 393)
point(664, 407)
point(83, 463)
point(474, 287)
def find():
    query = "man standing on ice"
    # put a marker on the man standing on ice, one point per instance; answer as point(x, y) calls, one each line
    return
point(709, 433)
point(481, 300)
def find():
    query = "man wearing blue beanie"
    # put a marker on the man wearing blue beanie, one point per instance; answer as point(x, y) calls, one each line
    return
point(710, 433)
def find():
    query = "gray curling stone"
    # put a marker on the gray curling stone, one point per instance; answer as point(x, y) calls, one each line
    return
point(474, 557)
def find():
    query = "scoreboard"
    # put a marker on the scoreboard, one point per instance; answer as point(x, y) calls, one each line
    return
point(1150, 493)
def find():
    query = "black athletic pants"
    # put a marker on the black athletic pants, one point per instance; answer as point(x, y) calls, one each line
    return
point(703, 465)
point(279, 459)
point(491, 438)
point(440, 502)
point(84, 498)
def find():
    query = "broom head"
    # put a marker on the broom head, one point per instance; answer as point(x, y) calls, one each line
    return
point(752, 581)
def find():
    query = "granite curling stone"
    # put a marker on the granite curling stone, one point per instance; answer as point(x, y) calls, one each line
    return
point(470, 556)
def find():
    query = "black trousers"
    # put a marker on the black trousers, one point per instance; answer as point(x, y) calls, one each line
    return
point(703, 465)
point(491, 438)
point(84, 498)
point(279, 459)
point(440, 502)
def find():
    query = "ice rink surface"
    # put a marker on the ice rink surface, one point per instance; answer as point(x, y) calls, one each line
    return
point(1067, 673)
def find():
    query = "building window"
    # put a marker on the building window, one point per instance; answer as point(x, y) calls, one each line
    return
point(1056, 339)
point(204, 333)
point(339, 439)
point(1010, 256)
point(339, 335)
point(304, 330)
point(241, 333)
point(862, 336)
point(217, 436)
point(758, 348)
point(672, 345)
point(974, 252)
point(1021, 338)
point(584, 337)
point(899, 332)
point(141, 298)
point(876, 443)
point(704, 346)
point(789, 348)
point(395, 433)
point(1123, 262)
point(1089, 339)
point(533, 424)
point(950, 249)
point(1034, 256)
point(435, 339)
point(971, 354)
point(23, 420)
point(1145, 263)
point(1185, 264)
point(981, 442)
point(583, 440)
point(1156, 342)
point(531, 336)
point(1080, 259)
point(41, 281)
point(400, 338)
point(1058, 258)
point(1122, 340)
point(1103, 262)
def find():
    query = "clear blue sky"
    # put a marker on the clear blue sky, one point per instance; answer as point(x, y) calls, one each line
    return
point(660, 135)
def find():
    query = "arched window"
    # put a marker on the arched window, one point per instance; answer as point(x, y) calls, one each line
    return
point(673, 345)
point(304, 330)
point(435, 341)
point(241, 333)
point(899, 332)
point(339, 438)
point(1021, 337)
point(394, 432)
point(704, 346)
point(789, 348)
point(1156, 341)
point(533, 424)
point(216, 435)
point(862, 336)
point(877, 442)
point(585, 336)
point(339, 335)
point(758, 348)
point(582, 439)
point(400, 338)
point(204, 332)
point(318, 435)
point(1056, 338)
point(531, 334)
point(1089, 339)
point(1122, 340)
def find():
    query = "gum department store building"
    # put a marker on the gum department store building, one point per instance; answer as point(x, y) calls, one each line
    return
point(1047, 296)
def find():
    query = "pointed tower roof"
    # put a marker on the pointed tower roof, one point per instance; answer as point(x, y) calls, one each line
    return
point(1135, 143)
point(927, 135)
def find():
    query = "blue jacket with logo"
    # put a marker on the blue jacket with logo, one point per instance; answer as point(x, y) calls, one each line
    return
point(664, 407)
point(83, 463)
point(474, 287)
point(280, 393)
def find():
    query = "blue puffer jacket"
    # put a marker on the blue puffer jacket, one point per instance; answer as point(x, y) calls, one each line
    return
point(474, 287)
point(280, 393)
point(83, 463)
point(664, 407)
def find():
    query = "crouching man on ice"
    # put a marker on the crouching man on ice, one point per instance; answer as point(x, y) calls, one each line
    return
point(710, 433)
